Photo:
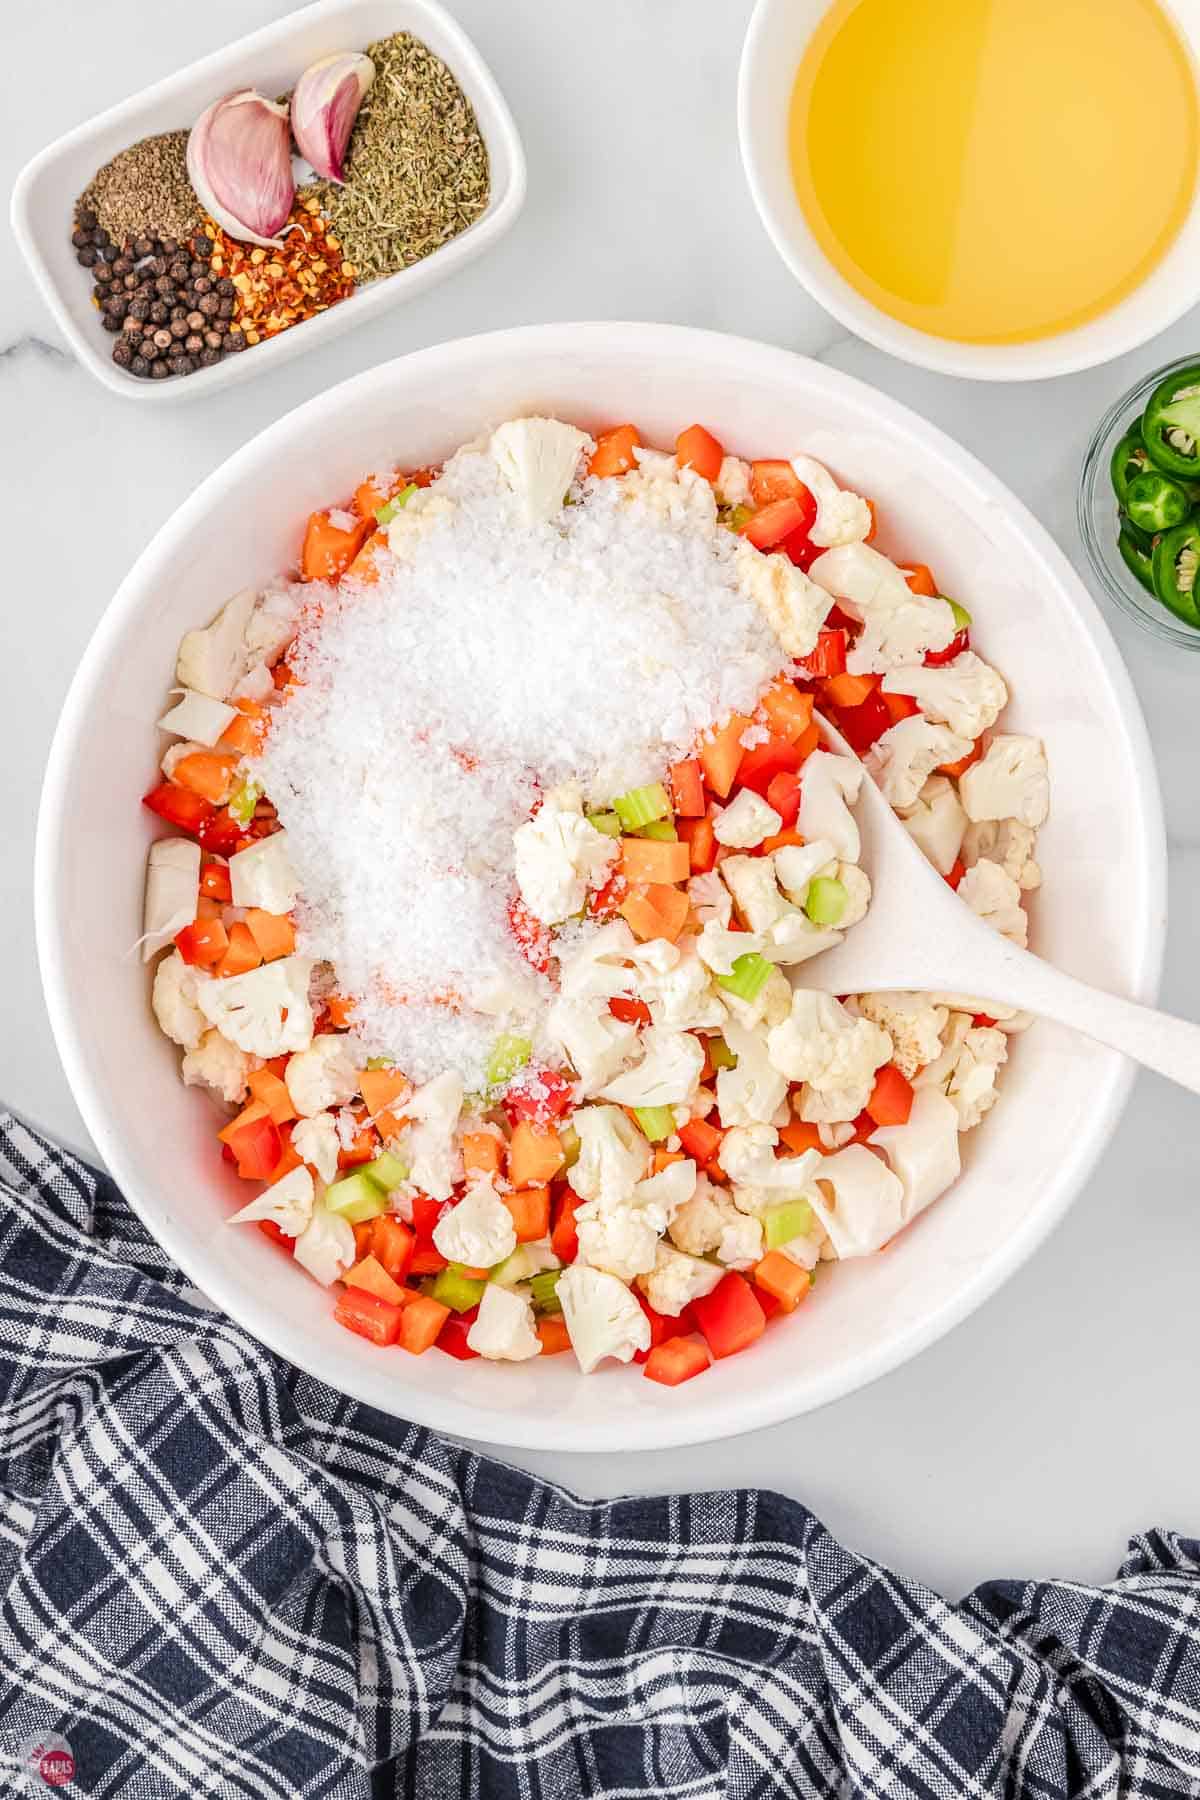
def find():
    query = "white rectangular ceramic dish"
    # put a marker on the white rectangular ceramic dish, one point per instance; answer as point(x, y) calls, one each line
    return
point(271, 60)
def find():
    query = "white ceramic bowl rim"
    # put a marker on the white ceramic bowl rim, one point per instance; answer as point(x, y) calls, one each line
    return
point(760, 1404)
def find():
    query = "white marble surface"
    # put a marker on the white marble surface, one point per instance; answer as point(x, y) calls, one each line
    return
point(1059, 1418)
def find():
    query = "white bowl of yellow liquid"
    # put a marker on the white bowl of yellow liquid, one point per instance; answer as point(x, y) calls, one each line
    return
point(1001, 189)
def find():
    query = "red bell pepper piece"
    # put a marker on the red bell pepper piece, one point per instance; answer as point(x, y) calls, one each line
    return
point(934, 659)
point(214, 882)
point(179, 806)
point(202, 943)
point(687, 789)
point(661, 1327)
point(783, 793)
point(221, 833)
point(760, 765)
point(630, 1012)
point(778, 520)
point(829, 657)
point(676, 1359)
point(730, 1317)
point(255, 1143)
point(564, 1233)
point(701, 842)
point(276, 1233)
point(538, 1095)
point(375, 1319)
point(452, 1338)
point(862, 726)
point(533, 938)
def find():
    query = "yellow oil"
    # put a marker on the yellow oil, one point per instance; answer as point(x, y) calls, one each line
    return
point(995, 170)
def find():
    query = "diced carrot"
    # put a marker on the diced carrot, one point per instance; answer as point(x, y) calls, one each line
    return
point(206, 772)
point(920, 579)
point(370, 1275)
point(873, 510)
point(535, 1154)
point(782, 840)
point(289, 1158)
point(829, 657)
point(788, 712)
point(800, 1137)
point(687, 788)
point(426, 1260)
point(272, 1093)
point(274, 933)
point(773, 479)
point(721, 753)
point(700, 1140)
point(641, 917)
point(375, 492)
point(779, 1276)
point(420, 1323)
point(730, 1317)
point(664, 1158)
point(891, 1097)
point(329, 549)
point(340, 1010)
point(381, 1089)
point(362, 1148)
point(672, 906)
point(675, 1360)
point(203, 943)
point(564, 1234)
point(701, 841)
point(554, 1335)
point(375, 1319)
point(960, 767)
point(243, 736)
point(845, 691)
point(207, 909)
point(242, 955)
point(698, 449)
point(899, 706)
point(652, 859)
point(773, 522)
point(250, 1113)
point(392, 1244)
point(482, 1153)
point(628, 1010)
point(214, 882)
point(530, 1209)
point(614, 450)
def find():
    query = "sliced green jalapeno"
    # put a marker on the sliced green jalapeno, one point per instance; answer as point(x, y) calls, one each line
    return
point(1171, 424)
point(1175, 566)
point(1137, 558)
point(1154, 502)
point(1129, 459)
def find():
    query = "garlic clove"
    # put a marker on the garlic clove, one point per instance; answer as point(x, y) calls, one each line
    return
point(239, 161)
point(324, 107)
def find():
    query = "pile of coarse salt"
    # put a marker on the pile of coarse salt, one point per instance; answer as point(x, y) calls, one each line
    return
point(491, 660)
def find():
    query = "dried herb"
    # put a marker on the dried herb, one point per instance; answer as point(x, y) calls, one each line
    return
point(417, 170)
point(145, 189)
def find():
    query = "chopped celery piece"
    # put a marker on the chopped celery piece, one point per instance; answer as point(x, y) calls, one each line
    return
point(509, 1054)
point(568, 1137)
point(739, 516)
point(526, 1261)
point(607, 822)
point(825, 901)
point(387, 1171)
point(962, 617)
point(386, 513)
point(381, 1062)
point(243, 801)
point(657, 1122)
point(544, 1289)
point(356, 1198)
point(662, 829)
point(457, 1291)
point(791, 1219)
point(751, 973)
point(641, 806)
point(719, 1053)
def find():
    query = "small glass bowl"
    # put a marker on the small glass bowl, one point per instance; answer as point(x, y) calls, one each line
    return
point(1097, 511)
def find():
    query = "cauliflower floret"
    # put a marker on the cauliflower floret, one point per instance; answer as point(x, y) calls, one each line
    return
point(478, 1231)
point(830, 787)
point(835, 1137)
point(770, 1006)
point(612, 1155)
point(751, 881)
point(822, 1044)
point(1007, 842)
point(680, 998)
point(710, 899)
point(266, 1011)
point(732, 485)
point(898, 625)
point(503, 1330)
point(255, 684)
point(858, 1200)
point(914, 1024)
point(198, 717)
point(1009, 782)
point(923, 1152)
point(833, 1106)
point(218, 1065)
point(538, 458)
point(558, 855)
point(718, 947)
point(667, 1075)
point(596, 968)
point(753, 1092)
point(901, 759)
point(596, 1044)
point(262, 875)
point(601, 1315)
point(795, 939)
point(972, 1086)
point(792, 605)
point(858, 894)
point(746, 821)
point(677, 1279)
point(936, 822)
point(996, 898)
point(172, 890)
point(272, 624)
point(324, 1075)
point(662, 488)
point(317, 1141)
point(797, 864)
point(842, 517)
point(326, 1246)
point(176, 1003)
point(710, 1221)
point(938, 1072)
point(758, 1177)
point(966, 694)
point(623, 1238)
point(212, 660)
point(433, 1156)
point(288, 1203)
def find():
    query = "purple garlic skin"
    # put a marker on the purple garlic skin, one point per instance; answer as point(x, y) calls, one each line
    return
point(239, 161)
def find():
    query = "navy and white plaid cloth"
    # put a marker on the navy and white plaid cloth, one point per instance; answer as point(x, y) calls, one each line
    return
point(218, 1577)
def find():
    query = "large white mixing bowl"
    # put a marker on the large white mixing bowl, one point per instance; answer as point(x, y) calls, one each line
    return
point(1100, 914)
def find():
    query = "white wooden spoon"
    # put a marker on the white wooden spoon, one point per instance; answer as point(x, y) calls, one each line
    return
point(919, 936)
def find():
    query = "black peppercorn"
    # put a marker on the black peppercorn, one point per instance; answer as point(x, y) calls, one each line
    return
point(123, 353)
point(179, 328)
point(225, 309)
point(213, 340)
point(132, 327)
point(139, 308)
point(209, 305)
point(159, 313)
point(178, 270)
point(234, 340)
point(85, 218)
point(164, 286)
point(162, 338)
point(81, 238)
point(160, 371)
point(196, 269)
point(202, 246)
point(157, 265)
point(107, 253)
point(196, 320)
point(143, 246)
point(178, 312)
point(209, 359)
point(102, 272)
point(168, 245)
point(115, 306)
point(123, 265)
point(109, 322)
point(226, 288)
point(204, 284)
point(86, 256)
point(139, 366)
point(100, 235)
point(193, 343)
point(129, 282)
